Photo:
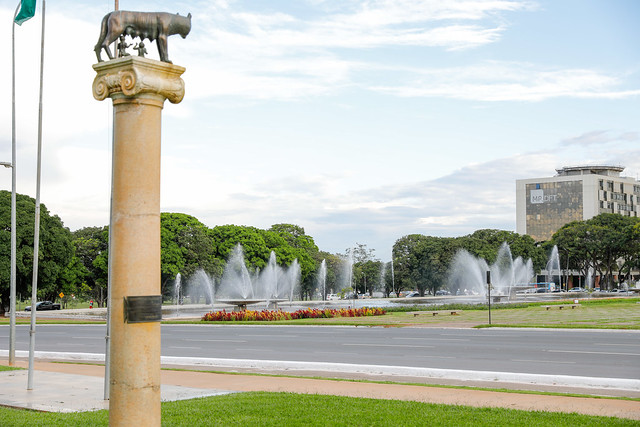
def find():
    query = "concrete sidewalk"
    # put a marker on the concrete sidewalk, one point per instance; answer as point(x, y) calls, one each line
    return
point(66, 387)
point(70, 392)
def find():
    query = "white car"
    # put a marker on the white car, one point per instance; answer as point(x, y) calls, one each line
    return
point(331, 297)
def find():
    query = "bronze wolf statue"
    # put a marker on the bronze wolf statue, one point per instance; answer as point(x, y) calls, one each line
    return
point(146, 25)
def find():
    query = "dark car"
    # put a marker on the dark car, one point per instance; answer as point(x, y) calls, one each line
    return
point(443, 292)
point(44, 305)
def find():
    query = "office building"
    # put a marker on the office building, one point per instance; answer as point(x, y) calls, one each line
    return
point(576, 193)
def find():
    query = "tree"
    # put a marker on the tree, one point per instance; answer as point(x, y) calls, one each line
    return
point(92, 250)
point(486, 243)
point(615, 242)
point(187, 246)
point(605, 244)
point(334, 265)
point(405, 261)
point(423, 262)
point(309, 261)
point(258, 244)
point(365, 268)
point(55, 250)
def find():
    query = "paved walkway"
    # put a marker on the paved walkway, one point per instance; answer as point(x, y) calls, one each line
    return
point(67, 387)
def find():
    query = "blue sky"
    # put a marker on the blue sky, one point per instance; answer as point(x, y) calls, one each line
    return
point(361, 121)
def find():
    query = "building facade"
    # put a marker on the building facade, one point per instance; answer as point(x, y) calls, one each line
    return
point(576, 193)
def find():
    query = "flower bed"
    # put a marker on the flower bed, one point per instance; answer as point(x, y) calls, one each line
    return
point(271, 315)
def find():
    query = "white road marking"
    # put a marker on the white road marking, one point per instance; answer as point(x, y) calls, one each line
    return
point(270, 336)
point(430, 339)
point(388, 345)
point(616, 345)
point(593, 352)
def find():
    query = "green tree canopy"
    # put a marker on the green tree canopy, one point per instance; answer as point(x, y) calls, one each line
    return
point(186, 245)
point(92, 250)
point(607, 244)
point(55, 250)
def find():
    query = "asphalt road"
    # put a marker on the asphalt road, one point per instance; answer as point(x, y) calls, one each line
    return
point(606, 354)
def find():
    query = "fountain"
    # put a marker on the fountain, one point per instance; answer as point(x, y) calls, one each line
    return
point(321, 279)
point(198, 285)
point(553, 268)
point(347, 272)
point(589, 280)
point(236, 286)
point(176, 292)
point(383, 278)
point(469, 273)
point(293, 275)
point(271, 285)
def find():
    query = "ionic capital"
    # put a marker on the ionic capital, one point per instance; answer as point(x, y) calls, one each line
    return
point(132, 76)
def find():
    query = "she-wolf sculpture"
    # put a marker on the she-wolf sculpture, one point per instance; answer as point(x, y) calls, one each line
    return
point(146, 25)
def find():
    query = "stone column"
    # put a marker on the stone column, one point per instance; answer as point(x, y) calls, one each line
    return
point(138, 88)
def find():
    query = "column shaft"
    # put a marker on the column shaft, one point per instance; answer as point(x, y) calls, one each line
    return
point(135, 261)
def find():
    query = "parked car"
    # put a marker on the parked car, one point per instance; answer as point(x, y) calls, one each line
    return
point(44, 305)
point(442, 292)
point(331, 297)
point(411, 294)
point(577, 290)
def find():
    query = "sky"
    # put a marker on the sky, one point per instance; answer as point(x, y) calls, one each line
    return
point(361, 121)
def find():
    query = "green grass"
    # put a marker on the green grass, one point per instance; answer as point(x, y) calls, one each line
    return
point(618, 313)
point(288, 409)
point(458, 387)
point(8, 368)
point(606, 313)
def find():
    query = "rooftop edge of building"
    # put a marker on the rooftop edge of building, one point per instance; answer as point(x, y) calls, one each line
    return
point(604, 170)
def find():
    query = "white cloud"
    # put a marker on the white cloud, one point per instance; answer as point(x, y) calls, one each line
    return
point(509, 81)
point(597, 137)
point(274, 55)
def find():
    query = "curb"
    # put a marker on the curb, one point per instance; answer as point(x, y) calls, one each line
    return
point(375, 370)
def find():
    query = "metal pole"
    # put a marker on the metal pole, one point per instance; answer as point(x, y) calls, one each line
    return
point(12, 280)
point(36, 234)
point(393, 277)
point(489, 293)
point(107, 337)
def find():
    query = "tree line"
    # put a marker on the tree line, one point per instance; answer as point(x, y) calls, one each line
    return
point(423, 262)
point(607, 245)
point(76, 263)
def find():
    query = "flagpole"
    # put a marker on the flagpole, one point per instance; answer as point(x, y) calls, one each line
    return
point(12, 280)
point(36, 235)
point(107, 338)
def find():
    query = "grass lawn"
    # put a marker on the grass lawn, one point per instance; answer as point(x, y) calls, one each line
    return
point(609, 313)
point(287, 409)
point(618, 313)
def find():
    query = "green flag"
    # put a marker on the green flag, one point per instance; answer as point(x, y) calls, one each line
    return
point(27, 10)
